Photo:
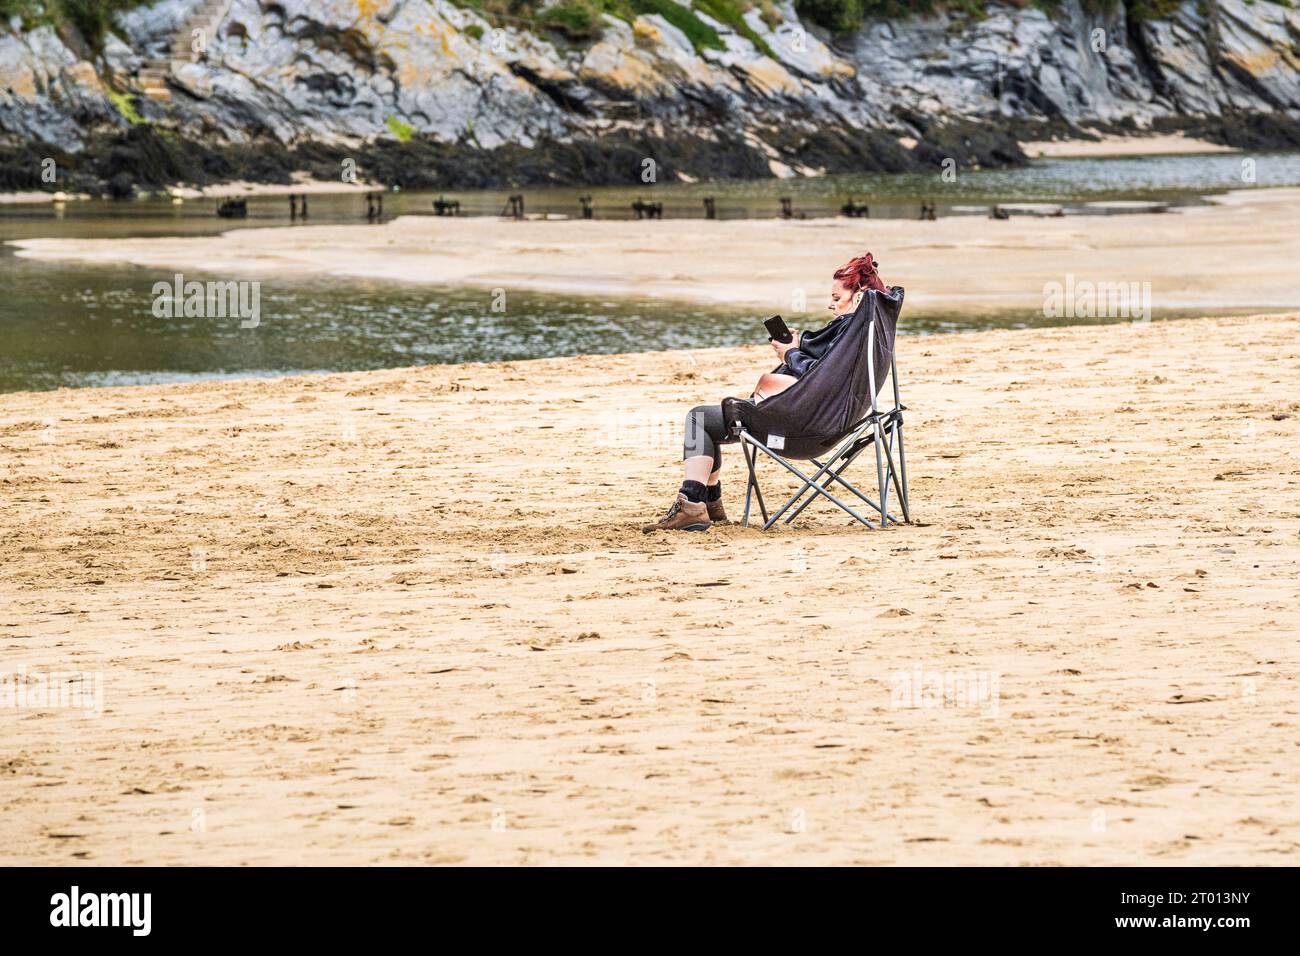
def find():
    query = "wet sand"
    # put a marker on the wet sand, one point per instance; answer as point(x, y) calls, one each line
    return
point(1238, 254)
point(302, 183)
point(408, 617)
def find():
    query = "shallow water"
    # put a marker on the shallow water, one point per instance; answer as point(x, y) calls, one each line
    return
point(1074, 183)
point(72, 324)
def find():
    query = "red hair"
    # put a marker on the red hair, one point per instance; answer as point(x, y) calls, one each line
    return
point(860, 273)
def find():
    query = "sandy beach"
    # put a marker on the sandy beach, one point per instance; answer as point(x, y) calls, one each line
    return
point(408, 617)
point(29, 196)
point(1237, 253)
point(1109, 146)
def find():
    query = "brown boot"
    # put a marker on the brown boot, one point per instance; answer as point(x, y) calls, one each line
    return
point(717, 513)
point(684, 515)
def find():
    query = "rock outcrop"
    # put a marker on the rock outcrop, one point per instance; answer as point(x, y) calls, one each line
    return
point(372, 77)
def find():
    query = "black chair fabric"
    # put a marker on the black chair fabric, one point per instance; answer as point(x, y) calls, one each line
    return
point(810, 417)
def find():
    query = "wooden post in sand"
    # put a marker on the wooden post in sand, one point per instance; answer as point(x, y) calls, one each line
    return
point(856, 210)
point(643, 209)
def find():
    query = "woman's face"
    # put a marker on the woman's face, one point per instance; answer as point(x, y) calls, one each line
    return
point(843, 302)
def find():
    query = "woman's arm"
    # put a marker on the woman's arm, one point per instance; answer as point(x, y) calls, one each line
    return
point(797, 361)
point(808, 347)
point(792, 356)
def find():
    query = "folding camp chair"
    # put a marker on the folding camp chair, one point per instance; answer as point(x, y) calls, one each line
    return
point(830, 417)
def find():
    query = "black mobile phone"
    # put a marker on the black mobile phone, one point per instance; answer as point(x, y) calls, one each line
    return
point(778, 330)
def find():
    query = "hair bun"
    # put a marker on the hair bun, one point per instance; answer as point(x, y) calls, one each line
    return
point(860, 273)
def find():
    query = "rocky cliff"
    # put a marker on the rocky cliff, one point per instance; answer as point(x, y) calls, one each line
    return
point(429, 92)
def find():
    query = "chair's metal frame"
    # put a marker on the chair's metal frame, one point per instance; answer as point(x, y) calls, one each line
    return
point(879, 428)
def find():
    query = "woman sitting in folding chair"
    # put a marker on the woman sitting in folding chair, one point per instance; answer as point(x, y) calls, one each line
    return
point(699, 500)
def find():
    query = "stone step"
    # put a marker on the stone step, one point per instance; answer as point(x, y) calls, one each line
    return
point(208, 17)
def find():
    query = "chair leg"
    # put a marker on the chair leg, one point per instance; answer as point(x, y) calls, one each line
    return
point(892, 474)
point(807, 481)
point(843, 507)
point(866, 500)
point(809, 500)
point(902, 471)
point(810, 483)
point(880, 475)
point(751, 459)
point(749, 487)
point(832, 469)
point(835, 475)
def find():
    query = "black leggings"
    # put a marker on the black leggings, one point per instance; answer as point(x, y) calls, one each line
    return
point(705, 433)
